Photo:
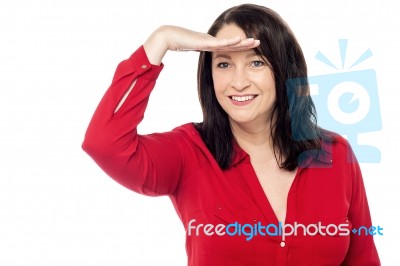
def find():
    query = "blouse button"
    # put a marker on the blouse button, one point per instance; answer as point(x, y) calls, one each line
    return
point(283, 244)
point(144, 66)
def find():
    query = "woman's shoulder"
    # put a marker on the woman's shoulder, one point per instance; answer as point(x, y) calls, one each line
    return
point(333, 138)
point(188, 129)
point(336, 144)
point(191, 136)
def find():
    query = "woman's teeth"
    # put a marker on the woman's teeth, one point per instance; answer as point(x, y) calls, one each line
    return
point(243, 98)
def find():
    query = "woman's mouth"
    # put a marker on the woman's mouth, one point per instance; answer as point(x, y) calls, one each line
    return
point(242, 99)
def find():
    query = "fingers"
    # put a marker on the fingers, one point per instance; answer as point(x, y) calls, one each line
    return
point(181, 39)
point(229, 42)
point(232, 44)
point(245, 44)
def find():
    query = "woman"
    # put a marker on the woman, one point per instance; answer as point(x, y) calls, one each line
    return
point(257, 182)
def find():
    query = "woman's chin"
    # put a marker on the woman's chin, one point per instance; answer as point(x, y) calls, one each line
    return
point(242, 119)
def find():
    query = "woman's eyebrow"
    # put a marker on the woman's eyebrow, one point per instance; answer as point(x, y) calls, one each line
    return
point(251, 55)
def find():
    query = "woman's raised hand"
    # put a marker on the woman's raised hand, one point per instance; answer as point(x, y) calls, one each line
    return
point(173, 38)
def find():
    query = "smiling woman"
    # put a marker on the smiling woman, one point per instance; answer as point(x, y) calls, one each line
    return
point(242, 164)
point(243, 83)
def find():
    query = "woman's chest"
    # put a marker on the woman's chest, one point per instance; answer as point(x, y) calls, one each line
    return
point(228, 213)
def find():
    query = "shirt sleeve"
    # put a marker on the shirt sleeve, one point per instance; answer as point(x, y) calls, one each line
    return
point(362, 250)
point(148, 164)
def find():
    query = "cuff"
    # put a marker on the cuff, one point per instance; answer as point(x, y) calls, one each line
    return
point(142, 66)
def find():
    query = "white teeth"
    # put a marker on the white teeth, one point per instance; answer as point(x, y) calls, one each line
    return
point(242, 98)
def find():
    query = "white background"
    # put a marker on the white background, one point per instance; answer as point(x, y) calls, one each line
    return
point(57, 59)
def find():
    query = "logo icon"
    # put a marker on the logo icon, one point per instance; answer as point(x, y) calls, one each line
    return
point(347, 102)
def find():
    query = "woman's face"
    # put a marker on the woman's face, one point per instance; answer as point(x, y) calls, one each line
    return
point(244, 84)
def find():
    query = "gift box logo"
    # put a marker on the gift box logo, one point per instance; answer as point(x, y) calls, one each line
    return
point(347, 102)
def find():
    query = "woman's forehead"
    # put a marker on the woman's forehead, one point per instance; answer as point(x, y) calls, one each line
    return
point(230, 31)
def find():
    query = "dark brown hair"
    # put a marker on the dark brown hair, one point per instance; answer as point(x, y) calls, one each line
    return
point(294, 129)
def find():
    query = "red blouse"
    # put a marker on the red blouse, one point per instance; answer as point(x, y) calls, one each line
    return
point(327, 190)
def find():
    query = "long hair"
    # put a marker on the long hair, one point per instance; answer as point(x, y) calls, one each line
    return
point(294, 129)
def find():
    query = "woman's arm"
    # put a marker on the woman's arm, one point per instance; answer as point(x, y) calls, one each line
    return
point(111, 138)
point(362, 250)
point(150, 164)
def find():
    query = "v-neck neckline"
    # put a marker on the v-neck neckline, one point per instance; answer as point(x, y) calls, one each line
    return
point(262, 200)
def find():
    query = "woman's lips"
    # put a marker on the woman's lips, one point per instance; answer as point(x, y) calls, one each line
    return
point(242, 99)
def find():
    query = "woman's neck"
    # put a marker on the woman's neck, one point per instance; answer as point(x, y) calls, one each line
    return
point(254, 138)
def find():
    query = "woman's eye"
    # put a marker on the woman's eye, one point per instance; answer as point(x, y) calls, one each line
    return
point(257, 63)
point(223, 65)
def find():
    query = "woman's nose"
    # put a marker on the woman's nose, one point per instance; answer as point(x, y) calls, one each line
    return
point(240, 80)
